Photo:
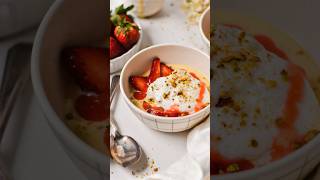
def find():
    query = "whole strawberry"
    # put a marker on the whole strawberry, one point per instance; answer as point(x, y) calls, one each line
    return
point(127, 34)
point(115, 48)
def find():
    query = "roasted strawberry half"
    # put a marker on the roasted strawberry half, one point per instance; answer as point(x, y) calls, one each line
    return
point(172, 113)
point(88, 66)
point(159, 111)
point(92, 107)
point(155, 71)
point(139, 95)
point(115, 48)
point(139, 83)
point(146, 105)
point(127, 34)
point(165, 70)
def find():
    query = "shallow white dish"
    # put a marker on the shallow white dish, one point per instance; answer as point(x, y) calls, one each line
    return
point(116, 64)
point(56, 32)
point(169, 54)
point(204, 26)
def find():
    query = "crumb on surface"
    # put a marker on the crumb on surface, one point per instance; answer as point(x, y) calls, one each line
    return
point(151, 169)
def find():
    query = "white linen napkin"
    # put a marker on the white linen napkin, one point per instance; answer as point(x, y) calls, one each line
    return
point(195, 165)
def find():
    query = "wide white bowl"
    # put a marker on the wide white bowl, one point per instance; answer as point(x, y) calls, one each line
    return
point(116, 64)
point(67, 23)
point(169, 54)
point(204, 26)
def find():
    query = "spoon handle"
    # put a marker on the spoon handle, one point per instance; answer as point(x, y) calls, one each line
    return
point(114, 89)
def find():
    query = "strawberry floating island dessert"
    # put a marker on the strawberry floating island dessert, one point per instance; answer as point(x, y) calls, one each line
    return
point(86, 104)
point(264, 106)
point(170, 90)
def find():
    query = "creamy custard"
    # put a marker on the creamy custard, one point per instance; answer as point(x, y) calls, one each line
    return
point(91, 132)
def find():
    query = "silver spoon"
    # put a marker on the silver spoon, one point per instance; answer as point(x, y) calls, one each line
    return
point(124, 149)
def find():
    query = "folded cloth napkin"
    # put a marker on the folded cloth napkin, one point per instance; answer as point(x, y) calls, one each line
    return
point(195, 165)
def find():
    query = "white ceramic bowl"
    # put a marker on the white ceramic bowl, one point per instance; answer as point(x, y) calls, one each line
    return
point(149, 7)
point(169, 54)
point(204, 26)
point(299, 163)
point(116, 64)
point(66, 24)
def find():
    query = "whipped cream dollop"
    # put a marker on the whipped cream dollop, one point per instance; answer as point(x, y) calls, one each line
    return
point(180, 90)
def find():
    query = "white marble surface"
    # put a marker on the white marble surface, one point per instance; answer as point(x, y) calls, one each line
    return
point(168, 26)
point(36, 145)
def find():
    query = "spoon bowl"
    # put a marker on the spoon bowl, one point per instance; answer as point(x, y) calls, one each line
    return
point(124, 149)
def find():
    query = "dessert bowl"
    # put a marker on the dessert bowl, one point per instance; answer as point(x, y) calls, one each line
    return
point(297, 163)
point(51, 84)
point(169, 54)
point(204, 26)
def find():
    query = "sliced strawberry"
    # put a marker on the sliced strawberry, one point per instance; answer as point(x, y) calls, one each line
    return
point(89, 67)
point(92, 107)
point(139, 83)
point(155, 71)
point(165, 70)
point(159, 111)
point(146, 105)
point(115, 48)
point(172, 113)
point(184, 113)
point(139, 95)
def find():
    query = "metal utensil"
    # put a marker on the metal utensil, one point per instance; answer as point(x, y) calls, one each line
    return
point(124, 149)
point(15, 77)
